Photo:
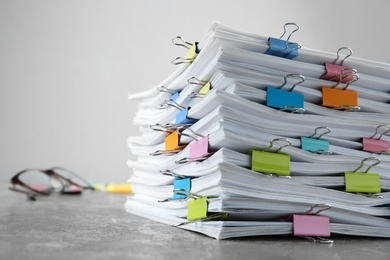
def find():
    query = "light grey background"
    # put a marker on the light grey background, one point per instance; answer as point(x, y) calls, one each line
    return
point(67, 66)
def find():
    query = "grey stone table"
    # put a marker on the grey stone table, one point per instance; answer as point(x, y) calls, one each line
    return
point(96, 226)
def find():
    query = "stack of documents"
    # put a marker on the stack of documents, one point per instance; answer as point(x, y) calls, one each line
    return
point(255, 135)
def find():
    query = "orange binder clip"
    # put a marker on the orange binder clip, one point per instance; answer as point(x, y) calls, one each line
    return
point(172, 142)
point(341, 98)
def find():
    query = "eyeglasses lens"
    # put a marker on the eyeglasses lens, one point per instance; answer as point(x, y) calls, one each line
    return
point(40, 181)
point(71, 176)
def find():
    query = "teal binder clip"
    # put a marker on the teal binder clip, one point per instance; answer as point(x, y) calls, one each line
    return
point(286, 100)
point(181, 117)
point(272, 162)
point(315, 144)
point(282, 47)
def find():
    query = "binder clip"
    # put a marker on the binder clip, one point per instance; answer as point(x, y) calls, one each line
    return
point(199, 151)
point(172, 144)
point(180, 183)
point(161, 128)
point(181, 117)
point(363, 182)
point(342, 99)
point(272, 162)
point(172, 174)
point(315, 144)
point(282, 47)
point(169, 128)
point(376, 145)
point(198, 208)
point(171, 101)
point(191, 54)
point(172, 141)
point(312, 226)
point(286, 100)
point(333, 70)
point(200, 148)
point(206, 87)
point(166, 90)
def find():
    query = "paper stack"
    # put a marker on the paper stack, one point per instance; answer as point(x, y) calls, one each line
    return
point(255, 135)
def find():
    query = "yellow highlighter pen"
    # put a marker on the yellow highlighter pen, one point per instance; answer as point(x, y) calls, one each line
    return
point(125, 188)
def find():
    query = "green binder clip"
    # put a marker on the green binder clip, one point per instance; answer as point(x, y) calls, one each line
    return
point(272, 162)
point(363, 182)
point(198, 208)
point(315, 144)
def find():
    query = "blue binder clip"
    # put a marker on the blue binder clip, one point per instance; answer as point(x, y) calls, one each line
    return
point(171, 101)
point(282, 47)
point(175, 96)
point(181, 117)
point(286, 100)
point(181, 184)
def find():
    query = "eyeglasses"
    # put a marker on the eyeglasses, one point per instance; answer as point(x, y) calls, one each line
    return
point(36, 182)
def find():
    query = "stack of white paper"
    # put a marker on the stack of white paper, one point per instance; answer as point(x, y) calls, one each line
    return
point(255, 135)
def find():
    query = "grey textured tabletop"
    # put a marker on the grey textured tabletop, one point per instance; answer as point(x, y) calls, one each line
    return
point(96, 226)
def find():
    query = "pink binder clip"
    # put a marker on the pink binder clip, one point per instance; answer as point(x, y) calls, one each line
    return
point(376, 145)
point(333, 70)
point(200, 149)
point(312, 226)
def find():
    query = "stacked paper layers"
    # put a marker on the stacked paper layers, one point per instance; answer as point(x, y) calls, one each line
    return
point(255, 135)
